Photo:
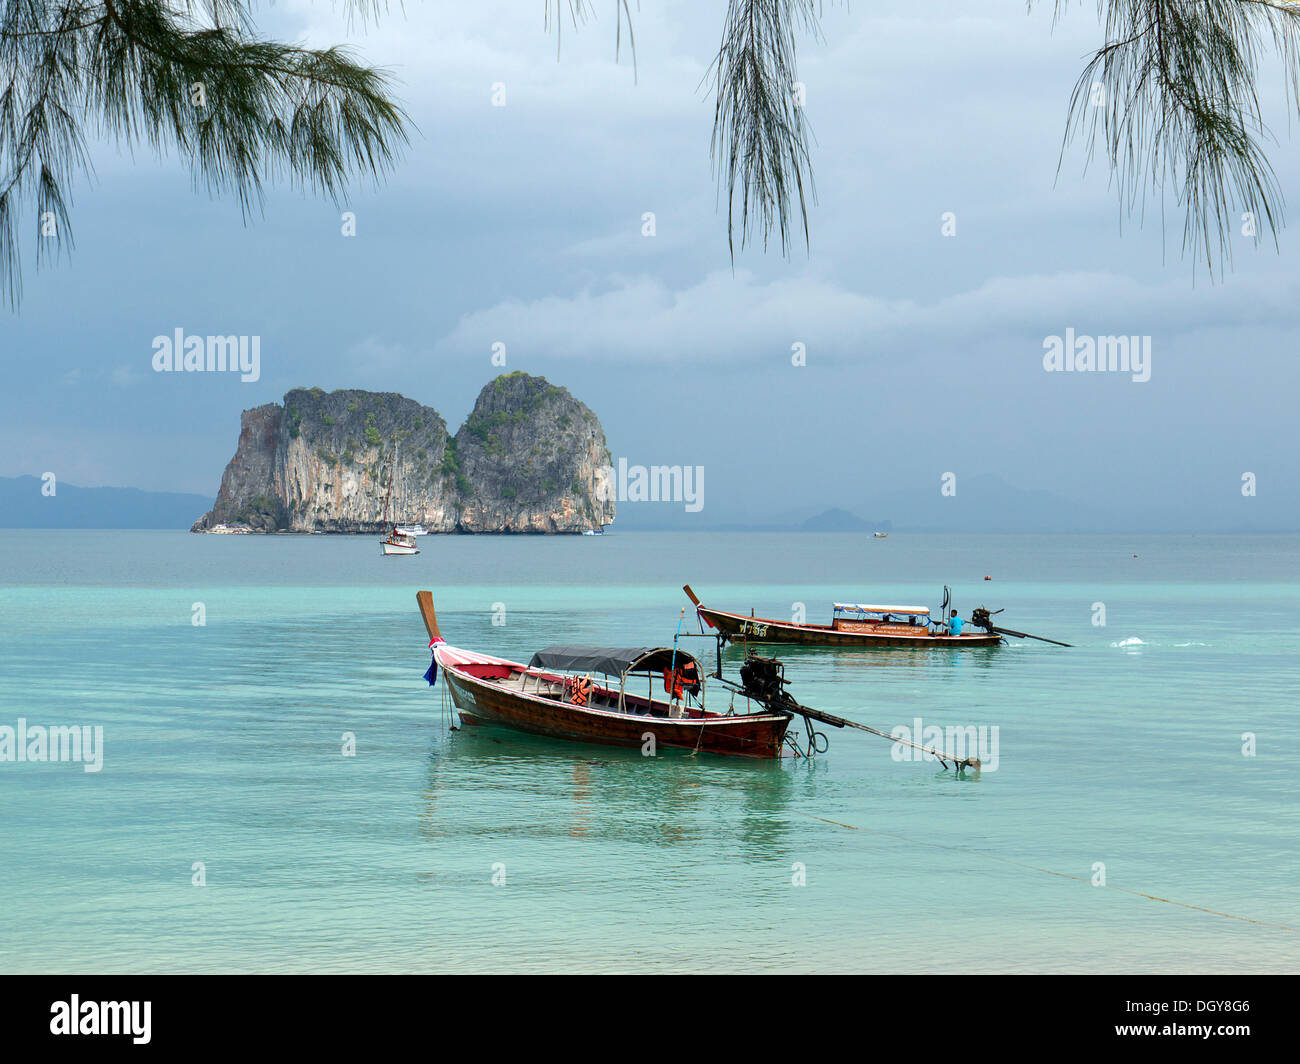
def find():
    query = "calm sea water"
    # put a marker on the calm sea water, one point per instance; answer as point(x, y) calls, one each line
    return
point(223, 745)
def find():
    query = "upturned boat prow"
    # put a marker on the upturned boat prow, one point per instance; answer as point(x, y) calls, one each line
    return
point(582, 694)
point(425, 601)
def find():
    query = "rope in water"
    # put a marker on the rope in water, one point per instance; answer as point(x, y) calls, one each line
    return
point(448, 710)
point(1052, 872)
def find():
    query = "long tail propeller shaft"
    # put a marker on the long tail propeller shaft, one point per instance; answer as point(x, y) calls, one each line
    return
point(1026, 635)
point(983, 617)
point(841, 722)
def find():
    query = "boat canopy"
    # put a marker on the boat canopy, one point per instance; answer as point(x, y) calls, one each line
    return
point(851, 607)
point(612, 661)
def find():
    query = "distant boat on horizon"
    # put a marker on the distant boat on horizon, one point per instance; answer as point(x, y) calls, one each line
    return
point(397, 543)
point(401, 540)
point(879, 535)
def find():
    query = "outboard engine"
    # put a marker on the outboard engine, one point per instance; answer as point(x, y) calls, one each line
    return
point(983, 618)
point(763, 680)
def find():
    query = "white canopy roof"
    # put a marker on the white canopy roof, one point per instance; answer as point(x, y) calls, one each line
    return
point(851, 607)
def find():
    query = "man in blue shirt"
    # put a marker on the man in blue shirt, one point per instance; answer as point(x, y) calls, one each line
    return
point(954, 624)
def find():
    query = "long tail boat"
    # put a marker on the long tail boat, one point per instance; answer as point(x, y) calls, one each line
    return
point(853, 625)
point(583, 694)
point(552, 696)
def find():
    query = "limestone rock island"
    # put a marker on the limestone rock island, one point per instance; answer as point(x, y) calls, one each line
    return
point(528, 459)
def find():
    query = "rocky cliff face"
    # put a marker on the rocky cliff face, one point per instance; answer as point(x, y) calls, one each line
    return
point(531, 453)
point(246, 495)
point(526, 460)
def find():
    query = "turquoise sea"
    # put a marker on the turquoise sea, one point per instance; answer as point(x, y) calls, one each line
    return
point(223, 744)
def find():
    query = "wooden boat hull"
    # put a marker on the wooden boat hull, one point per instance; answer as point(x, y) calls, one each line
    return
point(482, 701)
point(741, 629)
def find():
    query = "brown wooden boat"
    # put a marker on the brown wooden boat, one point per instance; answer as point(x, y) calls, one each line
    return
point(854, 625)
point(582, 694)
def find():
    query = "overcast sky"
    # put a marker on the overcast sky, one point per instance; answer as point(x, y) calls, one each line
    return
point(523, 224)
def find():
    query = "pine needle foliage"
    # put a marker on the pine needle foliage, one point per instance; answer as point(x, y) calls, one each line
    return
point(189, 76)
point(1170, 102)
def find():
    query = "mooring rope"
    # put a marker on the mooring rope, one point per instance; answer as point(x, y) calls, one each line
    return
point(448, 712)
point(1051, 872)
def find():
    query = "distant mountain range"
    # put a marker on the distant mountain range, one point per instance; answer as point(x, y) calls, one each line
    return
point(837, 520)
point(982, 504)
point(989, 504)
point(23, 506)
point(986, 503)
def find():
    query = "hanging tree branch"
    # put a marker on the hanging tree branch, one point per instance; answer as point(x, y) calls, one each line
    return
point(184, 74)
point(760, 147)
point(1170, 100)
point(1177, 112)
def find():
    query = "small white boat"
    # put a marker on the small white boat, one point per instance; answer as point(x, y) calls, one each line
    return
point(398, 543)
point(401, 540)
point(879, 535)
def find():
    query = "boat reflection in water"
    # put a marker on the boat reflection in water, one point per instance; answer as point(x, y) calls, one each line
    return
point(739, 807)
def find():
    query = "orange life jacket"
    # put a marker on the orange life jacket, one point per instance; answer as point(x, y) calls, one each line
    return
point(674, 681)
point(581, 688)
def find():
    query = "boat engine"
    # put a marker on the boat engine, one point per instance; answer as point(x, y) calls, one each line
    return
point(983, 618)
point(763, 680)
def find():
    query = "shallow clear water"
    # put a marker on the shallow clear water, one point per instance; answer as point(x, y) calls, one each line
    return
point(222, 745)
